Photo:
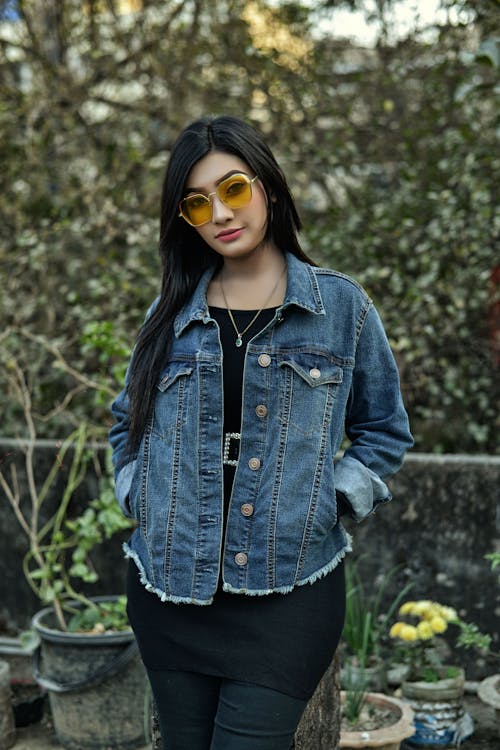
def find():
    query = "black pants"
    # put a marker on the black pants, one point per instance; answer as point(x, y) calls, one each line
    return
point(200, 712)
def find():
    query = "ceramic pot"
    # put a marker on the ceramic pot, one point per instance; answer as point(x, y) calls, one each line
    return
point(439, 712)
point(489, 693)
point(7, 725)
point(18, 657)
point(386, 738)
point(374, 675)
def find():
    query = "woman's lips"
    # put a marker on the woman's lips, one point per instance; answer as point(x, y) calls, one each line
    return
point(229, 234)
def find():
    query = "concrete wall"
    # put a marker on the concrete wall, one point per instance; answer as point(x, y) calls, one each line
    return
point(444, 518)
point(17, 602)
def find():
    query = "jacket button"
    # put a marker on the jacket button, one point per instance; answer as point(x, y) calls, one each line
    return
point(261, 410)
point(247, 509)
point(241, 558)
point(264, 360)
point(315, 373)
point(254, 463)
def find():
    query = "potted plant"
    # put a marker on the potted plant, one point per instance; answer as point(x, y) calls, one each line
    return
point(434, 690)
point(365, 627)
point(85, 644)
point(470, 637)
point(371, 719)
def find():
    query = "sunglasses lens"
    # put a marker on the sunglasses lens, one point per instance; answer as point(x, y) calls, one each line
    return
point(196, 209)
point(236, 191)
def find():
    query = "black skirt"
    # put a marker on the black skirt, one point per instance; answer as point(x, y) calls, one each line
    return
point(280, 641)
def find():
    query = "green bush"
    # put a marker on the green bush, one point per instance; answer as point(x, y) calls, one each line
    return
point(391, 153)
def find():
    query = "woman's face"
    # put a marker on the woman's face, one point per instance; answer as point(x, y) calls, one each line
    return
point(232, 232)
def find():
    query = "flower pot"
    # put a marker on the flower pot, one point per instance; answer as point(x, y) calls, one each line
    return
point(489, 693)
point(7, 725)
point(97, 686)
point(385, 738)
point(374, 675)
point(439, 712)
point(18, 657)
point(27, 697)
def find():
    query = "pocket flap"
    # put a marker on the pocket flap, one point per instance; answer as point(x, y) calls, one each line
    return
point(314, 369)
point(173, 372)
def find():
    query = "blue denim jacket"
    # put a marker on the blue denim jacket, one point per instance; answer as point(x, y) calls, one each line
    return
point(321, 366)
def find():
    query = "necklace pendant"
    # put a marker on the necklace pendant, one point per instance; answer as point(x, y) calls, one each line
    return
point(238, 341)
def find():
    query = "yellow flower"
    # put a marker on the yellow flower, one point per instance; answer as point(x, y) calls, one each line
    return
point(396, 629)
point(429, 612)
point(406, 608)
point(408, 633)
point(438, 624)
point(424, 630)
point(448, 613)
point(422, 607)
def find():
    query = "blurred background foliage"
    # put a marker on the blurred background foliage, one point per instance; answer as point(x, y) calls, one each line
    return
point(391, 150)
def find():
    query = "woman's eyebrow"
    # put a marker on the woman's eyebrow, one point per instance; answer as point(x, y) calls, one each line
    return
point(217, 182)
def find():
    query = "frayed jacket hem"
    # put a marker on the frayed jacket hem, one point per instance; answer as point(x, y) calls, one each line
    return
point(129, 553)
point(286, 589)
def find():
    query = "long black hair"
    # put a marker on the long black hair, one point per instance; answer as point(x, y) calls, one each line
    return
point(185, 255)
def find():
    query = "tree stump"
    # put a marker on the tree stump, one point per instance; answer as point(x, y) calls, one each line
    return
point(319, 728)
point(155, 730)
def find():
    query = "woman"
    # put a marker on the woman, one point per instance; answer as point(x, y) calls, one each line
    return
point(244, 374)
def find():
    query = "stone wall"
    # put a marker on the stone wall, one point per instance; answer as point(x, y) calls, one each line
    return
point(444, 518)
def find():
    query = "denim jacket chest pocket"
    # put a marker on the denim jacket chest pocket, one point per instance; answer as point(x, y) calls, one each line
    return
point(309, 383)
point(174, 390)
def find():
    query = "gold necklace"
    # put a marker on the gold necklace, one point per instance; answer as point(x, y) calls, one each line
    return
point(240, 334)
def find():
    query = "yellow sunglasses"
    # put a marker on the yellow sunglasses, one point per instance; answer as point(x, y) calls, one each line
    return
point(235, 192)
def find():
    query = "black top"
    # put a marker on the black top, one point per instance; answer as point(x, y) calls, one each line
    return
point(232, 372)
point(280, 641)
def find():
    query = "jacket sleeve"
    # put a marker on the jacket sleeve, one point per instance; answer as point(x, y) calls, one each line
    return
point(376, 423)
point(124, 462)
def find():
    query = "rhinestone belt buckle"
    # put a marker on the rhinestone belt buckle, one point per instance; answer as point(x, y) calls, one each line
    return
point(231, 450)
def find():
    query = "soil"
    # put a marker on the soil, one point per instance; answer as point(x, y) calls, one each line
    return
point(370, 718)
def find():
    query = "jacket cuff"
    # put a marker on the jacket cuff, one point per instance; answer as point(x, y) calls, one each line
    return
point(360, 486)
point(123, 482)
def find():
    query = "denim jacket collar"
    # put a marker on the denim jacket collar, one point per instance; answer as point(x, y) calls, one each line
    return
point(302, 290)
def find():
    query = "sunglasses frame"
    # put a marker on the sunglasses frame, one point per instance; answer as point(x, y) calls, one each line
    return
point(209, 197)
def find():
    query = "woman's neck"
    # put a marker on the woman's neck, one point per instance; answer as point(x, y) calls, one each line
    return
point(248, 284)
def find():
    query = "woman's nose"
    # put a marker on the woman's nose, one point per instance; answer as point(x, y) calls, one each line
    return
point(220, 212)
